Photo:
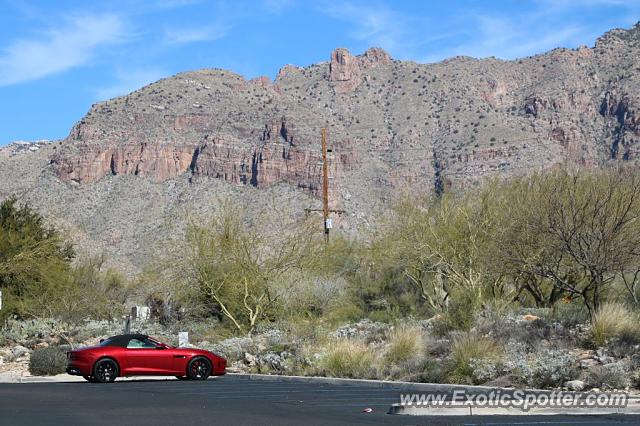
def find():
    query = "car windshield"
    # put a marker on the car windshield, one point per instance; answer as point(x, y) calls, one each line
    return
point(157, 342)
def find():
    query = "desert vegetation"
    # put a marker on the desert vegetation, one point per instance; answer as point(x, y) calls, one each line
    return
point(526, 282)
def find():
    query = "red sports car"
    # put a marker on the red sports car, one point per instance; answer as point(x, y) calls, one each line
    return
point(139, 355)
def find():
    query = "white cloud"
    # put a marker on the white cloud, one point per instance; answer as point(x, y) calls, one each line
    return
point(539, 26)
point(511, 38)
point(194, 34)
point(129, 80)
point(70, 45)
point(373, 23)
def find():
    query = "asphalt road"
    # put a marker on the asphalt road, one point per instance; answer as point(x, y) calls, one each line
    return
point(228, 401)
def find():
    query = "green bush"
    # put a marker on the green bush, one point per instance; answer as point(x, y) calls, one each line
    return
point(460, 314)
point(48, 361)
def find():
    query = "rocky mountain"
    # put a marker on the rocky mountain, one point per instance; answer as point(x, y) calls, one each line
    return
point(135, 167)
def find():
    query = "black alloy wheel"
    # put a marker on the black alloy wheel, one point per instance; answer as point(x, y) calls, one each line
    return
point(105, 371)
point(199, 368)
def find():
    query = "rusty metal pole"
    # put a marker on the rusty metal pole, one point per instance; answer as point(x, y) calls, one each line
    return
point(325, 185)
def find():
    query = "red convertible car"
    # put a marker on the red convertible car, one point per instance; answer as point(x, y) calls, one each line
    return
point(139, 355)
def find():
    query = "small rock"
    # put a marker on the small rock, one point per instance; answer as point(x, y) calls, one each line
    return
point(18, 352)
point(575, 385)
point(250, 359)
point(606, 359)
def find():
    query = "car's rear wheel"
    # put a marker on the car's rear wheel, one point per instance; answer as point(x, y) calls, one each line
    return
point(90, 379)
point(105, 370)
point(199, 368)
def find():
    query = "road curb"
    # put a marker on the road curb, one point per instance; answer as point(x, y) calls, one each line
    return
point(384, 384)
point(417, 410)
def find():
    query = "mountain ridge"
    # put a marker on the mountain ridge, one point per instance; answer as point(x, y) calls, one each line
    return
point(394, 126)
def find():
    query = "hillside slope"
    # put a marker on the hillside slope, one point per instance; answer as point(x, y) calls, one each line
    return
point(136, 168)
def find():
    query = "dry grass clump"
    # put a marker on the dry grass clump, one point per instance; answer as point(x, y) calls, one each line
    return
point(614, 320)
point(406, 346)
point(349, 358)
point(468, 347)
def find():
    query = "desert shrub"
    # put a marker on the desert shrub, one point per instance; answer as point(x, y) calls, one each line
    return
point(239, 264)
point(460, 315)
point(365, 330)
point(430, 371)
point(614, 320)
point(48, 361)
point(511, 327)
point(467, 347)
point(609, 376)
point(634, 379)
point(570, 314)
point(550, 368)
point(349, 358)
point(483, 370)
point(314, 296)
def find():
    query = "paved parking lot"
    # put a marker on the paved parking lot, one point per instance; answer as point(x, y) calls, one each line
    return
point(226, 400)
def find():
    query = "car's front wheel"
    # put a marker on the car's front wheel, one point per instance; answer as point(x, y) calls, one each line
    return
point(105, 370)
point(199, 368)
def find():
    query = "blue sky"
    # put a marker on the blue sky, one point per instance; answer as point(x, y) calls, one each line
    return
point(59, 57)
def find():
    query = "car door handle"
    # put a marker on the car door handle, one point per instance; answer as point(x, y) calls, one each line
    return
point(179, 356)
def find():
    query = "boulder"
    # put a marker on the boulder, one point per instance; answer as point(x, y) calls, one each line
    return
point(18, 352)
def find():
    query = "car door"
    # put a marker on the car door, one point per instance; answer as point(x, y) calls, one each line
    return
point(145, 356)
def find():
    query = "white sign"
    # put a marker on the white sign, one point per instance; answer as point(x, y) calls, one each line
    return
point(140, 312)
point(183, 339)
point(328, 224)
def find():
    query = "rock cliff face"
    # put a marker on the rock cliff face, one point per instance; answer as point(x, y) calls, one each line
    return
point(436, 125)
point(394, 126)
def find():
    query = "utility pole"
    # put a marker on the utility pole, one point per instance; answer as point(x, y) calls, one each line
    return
point(327, 225)
point(325, 186)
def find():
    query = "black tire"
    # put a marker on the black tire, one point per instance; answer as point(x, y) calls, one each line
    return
point(199, 368)
point(182, 377)
point(105, 370)
point(90, 379)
